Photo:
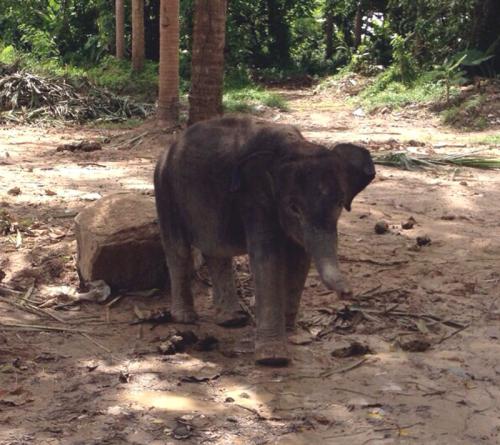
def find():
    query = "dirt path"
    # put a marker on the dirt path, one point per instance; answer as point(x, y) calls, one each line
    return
point(108, 384)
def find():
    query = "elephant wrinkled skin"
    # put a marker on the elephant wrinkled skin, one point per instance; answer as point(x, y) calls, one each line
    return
point(231, 186)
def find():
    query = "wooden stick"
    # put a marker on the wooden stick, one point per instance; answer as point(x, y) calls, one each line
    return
point(345, 369)
point(92, 340)
point(35, 327)
point(446, 337)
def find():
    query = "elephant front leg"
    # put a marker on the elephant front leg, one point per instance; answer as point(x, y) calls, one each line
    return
point(267, 259)
point(227, 308)
point(298, 263)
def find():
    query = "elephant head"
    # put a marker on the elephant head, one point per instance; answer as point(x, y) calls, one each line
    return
point(311, 191)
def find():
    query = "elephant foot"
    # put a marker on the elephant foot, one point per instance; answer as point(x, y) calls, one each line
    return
point(271, 353)
point(187, 316)
point(232, 319)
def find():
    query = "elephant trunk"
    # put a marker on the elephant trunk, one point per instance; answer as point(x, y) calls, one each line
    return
point(322, 246)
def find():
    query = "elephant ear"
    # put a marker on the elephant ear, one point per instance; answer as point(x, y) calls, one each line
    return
point(357, 170)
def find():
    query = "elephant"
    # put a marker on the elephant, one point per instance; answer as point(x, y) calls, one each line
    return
point(236, 185)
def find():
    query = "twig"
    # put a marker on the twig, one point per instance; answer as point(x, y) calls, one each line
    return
point(34, 327)
point(7, 290)
point(380, 292)
point(28, 293)
point(337, 436)
point(369, 291)
point(113, 301)
point(32, 309)
point(394, 313)
point(253, 411)
point(346, 369)
point(89, 338)
point(391, 309)
point(370, 261)
point(338, 388)
point(398, 428)
point(446, 337)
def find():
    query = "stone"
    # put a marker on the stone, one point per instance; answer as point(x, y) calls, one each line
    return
point(118, 241)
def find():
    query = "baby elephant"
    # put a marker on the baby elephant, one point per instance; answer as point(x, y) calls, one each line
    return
point(231, 186)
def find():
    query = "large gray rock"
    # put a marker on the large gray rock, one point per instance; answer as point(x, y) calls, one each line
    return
point(118, 241)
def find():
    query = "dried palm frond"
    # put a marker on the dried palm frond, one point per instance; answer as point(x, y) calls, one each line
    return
point(28, 97)
point(407, 162)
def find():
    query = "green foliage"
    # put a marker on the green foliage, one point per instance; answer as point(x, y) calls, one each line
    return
point(390, 93)
point(118, 76)
point(451, 74)
point(8, 55)
point(493, 139)
point(40, 42)
point(437, 27)
point(403, 67)
point(466, 114)
point(243, 96)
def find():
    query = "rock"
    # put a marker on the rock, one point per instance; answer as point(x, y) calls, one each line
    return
point(177, 342)
point(414, 343)
point(423, 240)
point(14, 191)
point(85, 146)
point(207, 343)
point(118, 241)
point(447, 217)
point(345, 349)
point(408, 224)
point(381, 227)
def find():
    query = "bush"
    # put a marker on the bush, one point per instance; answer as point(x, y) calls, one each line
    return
point(118, 76)
point(391, 93)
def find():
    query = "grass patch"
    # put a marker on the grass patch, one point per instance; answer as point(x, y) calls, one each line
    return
point(385, 92)
point(490, 139)
point(466, 114)
point(250, 99)
point(241, 95)
point(126, 124)
point(118, 76)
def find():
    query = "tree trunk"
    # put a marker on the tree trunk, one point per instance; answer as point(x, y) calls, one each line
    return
point(207, 66)
point(329, 35)
point(168, 94)
point(137, 34)
point(279, 46)
point(120, 29)
point(358, 25)
point(485, 26)
point(152, 30)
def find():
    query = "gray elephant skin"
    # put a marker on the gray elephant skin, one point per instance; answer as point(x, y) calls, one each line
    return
point(231, 186)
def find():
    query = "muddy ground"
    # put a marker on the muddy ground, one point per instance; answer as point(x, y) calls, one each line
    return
point(429, 315)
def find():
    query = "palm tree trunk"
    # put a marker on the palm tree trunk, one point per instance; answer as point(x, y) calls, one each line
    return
point(328, 34)
point(168, 95)
point(207, 66)
point(137, 34)
point(358, 24)
point(120, 29)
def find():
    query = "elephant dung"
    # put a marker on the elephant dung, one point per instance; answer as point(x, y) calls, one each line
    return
point(118, 241)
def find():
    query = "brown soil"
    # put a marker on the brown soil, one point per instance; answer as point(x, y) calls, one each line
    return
point(428, 316)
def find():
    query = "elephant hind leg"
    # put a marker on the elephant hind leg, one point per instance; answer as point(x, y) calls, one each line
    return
point(177, 253)
point(227, 308)
point(180, 267)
